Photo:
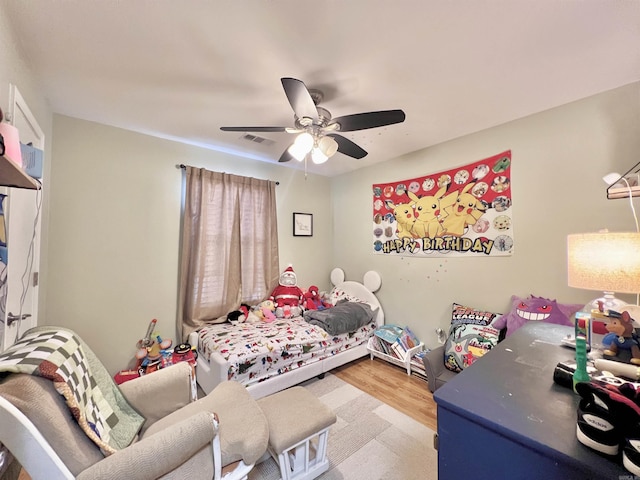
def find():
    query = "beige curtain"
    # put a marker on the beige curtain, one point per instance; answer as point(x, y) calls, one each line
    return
point(229, 251)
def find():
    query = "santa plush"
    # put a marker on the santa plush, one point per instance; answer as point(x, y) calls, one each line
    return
point(287, 296)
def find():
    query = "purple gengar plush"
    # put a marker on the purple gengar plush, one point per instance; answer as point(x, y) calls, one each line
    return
point(535, 309)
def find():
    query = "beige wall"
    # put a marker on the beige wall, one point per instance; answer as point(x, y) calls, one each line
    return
point(559, 158)
point(114, 233)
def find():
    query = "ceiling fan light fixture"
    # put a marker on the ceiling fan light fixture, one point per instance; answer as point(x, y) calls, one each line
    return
point(313, 122)
point(328, 146)
point(318, 157)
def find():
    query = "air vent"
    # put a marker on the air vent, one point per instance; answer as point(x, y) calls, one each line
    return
point(256, 139)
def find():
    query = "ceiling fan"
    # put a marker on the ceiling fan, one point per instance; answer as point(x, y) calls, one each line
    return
point(317, 131)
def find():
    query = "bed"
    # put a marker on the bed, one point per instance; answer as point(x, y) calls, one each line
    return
point(269, 357)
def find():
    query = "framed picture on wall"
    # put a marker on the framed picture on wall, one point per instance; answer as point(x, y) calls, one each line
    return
point(302, 224)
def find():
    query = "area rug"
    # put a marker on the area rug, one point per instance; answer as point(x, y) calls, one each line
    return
point(369, 441)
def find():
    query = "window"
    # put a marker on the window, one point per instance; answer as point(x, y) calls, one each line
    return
point(229, 252)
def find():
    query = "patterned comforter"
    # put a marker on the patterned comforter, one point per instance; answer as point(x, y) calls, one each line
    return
point(257, 351)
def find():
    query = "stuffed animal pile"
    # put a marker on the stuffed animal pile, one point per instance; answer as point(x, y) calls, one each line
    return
point(287, 300)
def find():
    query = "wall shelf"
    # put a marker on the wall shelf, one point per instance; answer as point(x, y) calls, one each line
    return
point(11, 175)
point(616, 191)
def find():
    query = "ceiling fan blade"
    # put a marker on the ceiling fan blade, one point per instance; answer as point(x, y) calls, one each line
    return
point(347, 147)
point(299, 98)
point(362, 121)
point(286, 156)
point(253, 129)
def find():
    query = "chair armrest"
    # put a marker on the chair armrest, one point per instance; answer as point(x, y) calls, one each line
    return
point(160, 393)
point(157, 454)
point(433, 365)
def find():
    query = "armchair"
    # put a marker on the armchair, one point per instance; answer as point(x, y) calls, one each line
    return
point(180, 438)
point(437, 373)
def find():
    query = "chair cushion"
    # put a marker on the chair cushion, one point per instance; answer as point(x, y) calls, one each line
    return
point(38, 400)
point(294, 414)
point(244, 432)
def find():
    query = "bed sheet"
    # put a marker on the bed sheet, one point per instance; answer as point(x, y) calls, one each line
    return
point(257, 351)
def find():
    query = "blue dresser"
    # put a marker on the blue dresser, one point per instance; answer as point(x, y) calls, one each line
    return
point(505, 418)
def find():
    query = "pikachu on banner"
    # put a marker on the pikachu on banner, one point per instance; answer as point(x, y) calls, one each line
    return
point(462, 211)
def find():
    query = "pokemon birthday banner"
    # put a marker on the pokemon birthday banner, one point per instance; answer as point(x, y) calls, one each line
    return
point(464, 211)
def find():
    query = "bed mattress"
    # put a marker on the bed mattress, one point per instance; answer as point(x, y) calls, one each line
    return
point(257, 351)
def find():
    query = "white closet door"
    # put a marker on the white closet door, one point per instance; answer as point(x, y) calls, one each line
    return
point(22, 210)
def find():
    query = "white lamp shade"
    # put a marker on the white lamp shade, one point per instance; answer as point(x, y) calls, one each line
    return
point(318, 157)
point(297, 151)
point(328, 146)
point(608, 262)
point(301, 146)
point(305, 141)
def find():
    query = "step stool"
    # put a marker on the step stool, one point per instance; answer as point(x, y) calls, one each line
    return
point(298, 431)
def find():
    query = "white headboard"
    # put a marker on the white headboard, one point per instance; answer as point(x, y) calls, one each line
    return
point(362, 291)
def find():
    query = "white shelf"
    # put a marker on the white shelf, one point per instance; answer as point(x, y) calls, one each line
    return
point(623, 192)
point(620, 190)
point(11, 175)
point(406, 363)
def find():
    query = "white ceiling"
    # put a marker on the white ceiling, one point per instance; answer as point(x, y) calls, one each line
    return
point(181, 69)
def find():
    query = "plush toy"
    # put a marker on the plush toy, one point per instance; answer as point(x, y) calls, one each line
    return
point(312, 299)
point(243, 314)
point(265, 311)
point(153, 351)
point(287, 296)
point(185, 353)
point(309, 303)
point(535, 309)
point(621, 336)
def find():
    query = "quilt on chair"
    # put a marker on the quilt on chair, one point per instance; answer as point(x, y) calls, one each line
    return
point(91, 395)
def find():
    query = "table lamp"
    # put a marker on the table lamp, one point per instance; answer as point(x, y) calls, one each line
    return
point(604, 261)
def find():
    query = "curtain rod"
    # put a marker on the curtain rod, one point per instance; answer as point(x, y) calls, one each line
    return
point(183, 166)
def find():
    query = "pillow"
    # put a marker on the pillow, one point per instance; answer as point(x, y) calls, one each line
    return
point(338, 294)
point(536, 309)
point(470, 336)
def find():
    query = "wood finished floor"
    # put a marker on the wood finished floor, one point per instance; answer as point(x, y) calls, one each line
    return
point(391, 385)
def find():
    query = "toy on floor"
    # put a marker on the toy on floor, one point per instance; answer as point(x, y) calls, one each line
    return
point(287, 296)
point(153, 352)
point(185, 353)
point(621, 336)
